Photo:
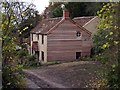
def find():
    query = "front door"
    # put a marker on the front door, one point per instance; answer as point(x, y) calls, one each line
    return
point(42, 54)
point(78, 55)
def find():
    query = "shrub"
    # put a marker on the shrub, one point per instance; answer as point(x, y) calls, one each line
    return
point(31, 61)
point(22, 52)
point(22, 55)
point(12, 77)
point(113, 79)
point(86, 59)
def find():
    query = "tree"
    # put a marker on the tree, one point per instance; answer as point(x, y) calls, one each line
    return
point(13, 14)
point(106, 41)
point(77, 9)
point(25, 17)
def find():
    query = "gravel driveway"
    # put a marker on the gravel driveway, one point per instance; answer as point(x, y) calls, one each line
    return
point(79, 74)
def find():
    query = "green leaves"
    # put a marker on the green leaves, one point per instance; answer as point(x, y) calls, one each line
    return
point(11, 21)
point(106, 41)
point(57, 12)
point(76, 9)
point(107, 33)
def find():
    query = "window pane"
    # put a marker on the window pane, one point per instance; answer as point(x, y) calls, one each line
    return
point(78, 34)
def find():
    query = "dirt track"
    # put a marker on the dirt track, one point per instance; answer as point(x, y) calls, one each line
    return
point(80, 74)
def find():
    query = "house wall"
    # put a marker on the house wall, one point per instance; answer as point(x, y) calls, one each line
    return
point(62, 43)
point(42, 47)
point(92, 25)
point(31, 43)
point(33, 37)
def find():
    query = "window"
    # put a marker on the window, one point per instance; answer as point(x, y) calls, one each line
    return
point(42, 39)
point(78, 55)
point(38, 36)
point(78, 34)
point(32, 37)
point(42, 54)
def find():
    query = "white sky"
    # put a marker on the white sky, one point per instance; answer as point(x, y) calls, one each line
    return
point(40, 4)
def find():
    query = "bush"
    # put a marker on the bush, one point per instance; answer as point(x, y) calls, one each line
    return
point(86, 59)
point(22, 52)
point(31, 61)
point(22, 55)
point(113, 79)
point(12, 77)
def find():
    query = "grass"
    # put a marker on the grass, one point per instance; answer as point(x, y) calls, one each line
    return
point(51, 63)
point(42, 65)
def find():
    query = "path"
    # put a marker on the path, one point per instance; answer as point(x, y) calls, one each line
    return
point(80, 74)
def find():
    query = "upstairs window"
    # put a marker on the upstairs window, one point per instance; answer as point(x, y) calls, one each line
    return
point(32, 37)
point(42, 39)
point(78, 34)
point(38, 36)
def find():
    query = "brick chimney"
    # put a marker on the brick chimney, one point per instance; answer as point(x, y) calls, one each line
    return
point(65, 13)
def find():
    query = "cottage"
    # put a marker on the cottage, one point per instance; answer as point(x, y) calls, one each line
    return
point(63, 38)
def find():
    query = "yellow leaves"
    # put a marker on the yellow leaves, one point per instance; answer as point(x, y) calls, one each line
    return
point(99, 15)
point(107, 26)
point(8, 83)
point(31, 24)
point(104, 6)
point(111, 33)
point(111, 17)
point(23, 14)
point(2, 25)
point(113, 66)
point(105, 45)
point(106, 36)
point(25, 28)
point(108, 4)
point(113, 10)
point(10, 57)
point(116, 42)
point(101, 10)
point(116, 27)
point(98, 12)
point(20, 31)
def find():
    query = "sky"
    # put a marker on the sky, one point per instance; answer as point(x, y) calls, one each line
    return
point(40, 4)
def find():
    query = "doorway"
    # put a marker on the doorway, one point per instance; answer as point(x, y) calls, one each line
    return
point(37, 55)
point(78, 55)
point(42, 54)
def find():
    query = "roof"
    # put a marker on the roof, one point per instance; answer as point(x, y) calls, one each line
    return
point(72, 21)
point(96, 17)
point(83, 20)
point(46, 25)
point(35, 46)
